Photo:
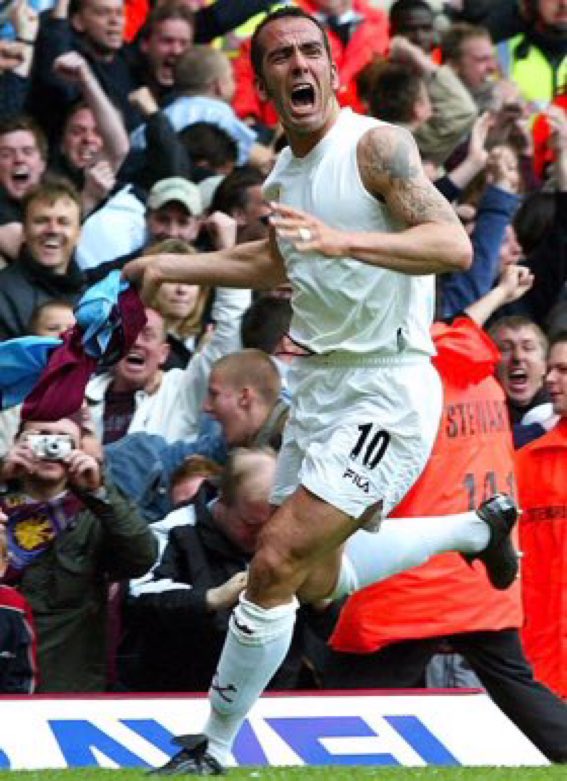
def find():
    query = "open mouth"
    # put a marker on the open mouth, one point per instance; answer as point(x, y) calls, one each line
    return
point(113, 37)
point(518, 379)
point(302, 96)
point(135, 359)
point(87, 156)
point(52, 243)
point(168, 67)
point(20, 177)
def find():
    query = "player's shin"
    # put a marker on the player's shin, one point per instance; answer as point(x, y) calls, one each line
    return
point(256, 645)
point(403, 543)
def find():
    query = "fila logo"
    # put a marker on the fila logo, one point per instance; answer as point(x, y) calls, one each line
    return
point(358, 480)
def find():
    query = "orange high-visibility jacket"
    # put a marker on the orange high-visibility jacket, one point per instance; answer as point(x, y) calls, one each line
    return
point(541, 469)
point(472, 458)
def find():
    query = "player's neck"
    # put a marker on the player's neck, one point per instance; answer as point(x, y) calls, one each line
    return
point(302, 143)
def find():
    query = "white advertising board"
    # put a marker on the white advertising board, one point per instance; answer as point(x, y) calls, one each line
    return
point(323, 729)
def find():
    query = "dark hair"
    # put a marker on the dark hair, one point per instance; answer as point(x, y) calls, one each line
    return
point(72, 109)
point(265, 323)
point(556, 320)
point(558, 337)
point(529, 9)
point(289, 12)
point(208, 144)
point(40, 309)
point(161, 13)
point(50, 189)
point(405, 6)
point(394, 90)
point(534, 218)
point(232, 192)
point(23, 122)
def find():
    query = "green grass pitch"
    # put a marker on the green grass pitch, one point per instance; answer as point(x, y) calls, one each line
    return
point(327, 773)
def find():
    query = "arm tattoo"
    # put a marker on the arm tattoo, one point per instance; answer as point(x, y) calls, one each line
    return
point(420, 202)
point(390, 169)
point(384, 154)
point(400, 164)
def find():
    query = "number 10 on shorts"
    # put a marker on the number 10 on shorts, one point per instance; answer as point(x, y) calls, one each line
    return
point(371, 445)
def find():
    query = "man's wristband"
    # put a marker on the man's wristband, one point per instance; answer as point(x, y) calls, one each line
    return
point(19, 39)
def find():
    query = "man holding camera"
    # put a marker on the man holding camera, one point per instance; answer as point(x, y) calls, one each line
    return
point(69, 535)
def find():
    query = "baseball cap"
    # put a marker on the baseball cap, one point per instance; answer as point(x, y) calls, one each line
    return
point(175, 188)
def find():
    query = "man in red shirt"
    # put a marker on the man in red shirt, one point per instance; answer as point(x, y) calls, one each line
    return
point(542, 491)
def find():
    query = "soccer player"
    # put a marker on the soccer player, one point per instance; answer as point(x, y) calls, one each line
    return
point(359, 231)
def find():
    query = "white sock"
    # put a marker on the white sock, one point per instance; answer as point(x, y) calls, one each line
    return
point(255, 646)
point(403, 543)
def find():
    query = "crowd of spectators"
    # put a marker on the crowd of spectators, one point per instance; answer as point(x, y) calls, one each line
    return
point(135, 128)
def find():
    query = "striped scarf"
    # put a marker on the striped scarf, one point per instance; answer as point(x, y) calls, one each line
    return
point(33, 526)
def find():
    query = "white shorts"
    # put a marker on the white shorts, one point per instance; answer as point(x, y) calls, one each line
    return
point(358, 436)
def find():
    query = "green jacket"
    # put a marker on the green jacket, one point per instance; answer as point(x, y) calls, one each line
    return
point(67, 588)
point(538, 78)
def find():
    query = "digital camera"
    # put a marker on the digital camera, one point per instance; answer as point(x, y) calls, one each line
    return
point(50, 447)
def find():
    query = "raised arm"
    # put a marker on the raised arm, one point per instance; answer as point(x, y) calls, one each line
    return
point(514, 282)
point(74, 69)
point(26, 26)
point(256, 264)
point(433, 241)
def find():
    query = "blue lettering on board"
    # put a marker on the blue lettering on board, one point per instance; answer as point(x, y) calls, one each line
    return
point(304, 737)
point(414, 732)
point(78, 738)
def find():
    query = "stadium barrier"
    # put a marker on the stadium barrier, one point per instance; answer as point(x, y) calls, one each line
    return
point(402, 728)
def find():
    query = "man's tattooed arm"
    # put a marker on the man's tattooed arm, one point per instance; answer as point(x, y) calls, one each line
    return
point(391, 170)
point(430, 238)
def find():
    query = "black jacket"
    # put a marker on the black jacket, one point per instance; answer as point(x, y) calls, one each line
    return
point(50, 98)
point(25, 284)
point(172, 641)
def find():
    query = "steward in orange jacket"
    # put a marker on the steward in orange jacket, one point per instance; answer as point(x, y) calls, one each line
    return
point(368, 39)
point(542, 486)
point(387, 633)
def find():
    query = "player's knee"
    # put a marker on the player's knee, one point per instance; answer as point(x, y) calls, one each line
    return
point(274, 571)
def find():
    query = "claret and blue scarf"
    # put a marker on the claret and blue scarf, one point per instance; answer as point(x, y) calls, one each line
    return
point(48, 377)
